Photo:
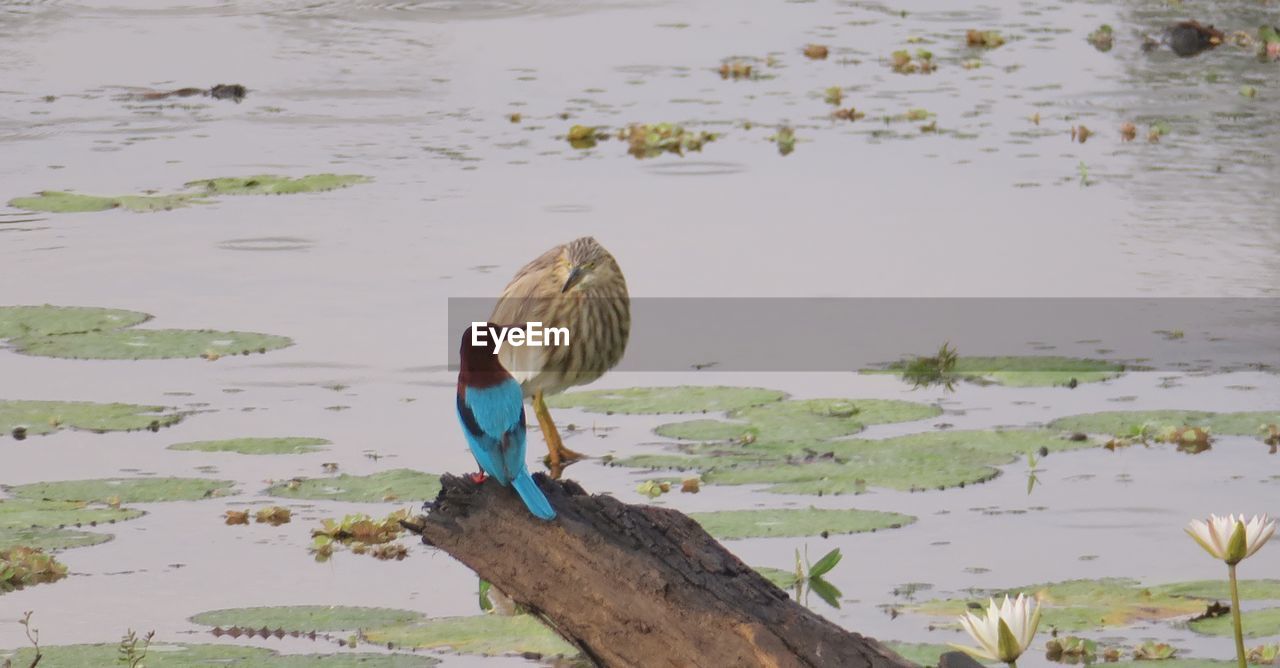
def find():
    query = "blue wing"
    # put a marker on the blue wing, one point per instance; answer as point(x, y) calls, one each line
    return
point(493, 421)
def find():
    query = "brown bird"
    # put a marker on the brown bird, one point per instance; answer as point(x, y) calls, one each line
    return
point(579, 287)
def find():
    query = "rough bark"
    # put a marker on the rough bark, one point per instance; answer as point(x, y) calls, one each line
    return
point(634, 585)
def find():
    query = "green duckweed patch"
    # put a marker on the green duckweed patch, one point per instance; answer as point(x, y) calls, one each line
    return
point(289, 445)
point(138, 344)
point(393, 485)
point(666, 400)
point(227, 656)
point(486, 635)
point(125, 490)
point(1082, 605)
point(1256, 623)
point(1126, 422)
point(23, 321)
point(272, 184)
point(307, 618)
point(929, 460)
point(56, 201)
point(43, 417)
point(1025, 371)
point(731, 524)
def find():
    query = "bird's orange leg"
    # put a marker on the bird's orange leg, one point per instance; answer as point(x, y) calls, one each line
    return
point(558, 456)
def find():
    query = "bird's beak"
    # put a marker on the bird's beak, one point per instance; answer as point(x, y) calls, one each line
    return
point(575, 276)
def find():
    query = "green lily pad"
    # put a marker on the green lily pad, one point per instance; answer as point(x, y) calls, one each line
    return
point(289, 445)
point(53, 201)
point(397, 484)
point(24, 321)
point(43, 417)
point(271, 184)
point(819, 419)
point(307, 618)
point(50, 539)
point(731, 524)
point(126, 490)
point(707, 430)
point(929, 460)
point(1122, 422)
point(486, 635)
point(1218, 590)
point(653, 400)
point(1256, 623)
point(1029, 371)
point(919, 653)
point(28, 513)
point(204, 656)
point(1082, 605)
point(137, 344)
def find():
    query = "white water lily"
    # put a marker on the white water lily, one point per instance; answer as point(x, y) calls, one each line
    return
point(1005, 632)
point(1231, 538)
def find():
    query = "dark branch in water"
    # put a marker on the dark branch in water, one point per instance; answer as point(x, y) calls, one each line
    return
point(632, 585)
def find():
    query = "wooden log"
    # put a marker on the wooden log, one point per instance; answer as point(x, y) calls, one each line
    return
point(635, 585)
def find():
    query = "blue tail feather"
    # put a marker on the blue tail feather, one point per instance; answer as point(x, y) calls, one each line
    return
point(533, 497)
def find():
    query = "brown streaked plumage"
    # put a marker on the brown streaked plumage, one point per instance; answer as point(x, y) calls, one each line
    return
point(578, 286)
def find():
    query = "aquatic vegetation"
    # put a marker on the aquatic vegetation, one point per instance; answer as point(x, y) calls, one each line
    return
point(923, 654)
point(484, 635)
point(1011, 371)
point(43, 524)
point(1233, 540)
point(172, 655)
point(785, 139)
point(124, 490)
point(815, 52)
point(1081, 605)
point(393, 485)
point(989, 39)
point(257, 446)
point(1249, 91)
point(27, 566)
point(236, 517)
point(22, 418)
point(1255, 624)
point(849, 114)
point(1157, 130)
point(736, 69)
point(666, 400)
point(1265, 655)
point(275, 516)
point(833, 95)
point(273, 184)
point(1153, 651)
point(903, 62)
point(35, 321)
point(1080, 133)
point(791, 522)
point(585, 136)
point(1147, 424)
point(361, 534)
point(1071, 649)
point(308, 618)
point(93, 333)
point(55, 201)
point(651, 140)
point(1128, 132)
point(52, 201)
point(137, 344)
point(1005, 632)
point(1103, 38)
